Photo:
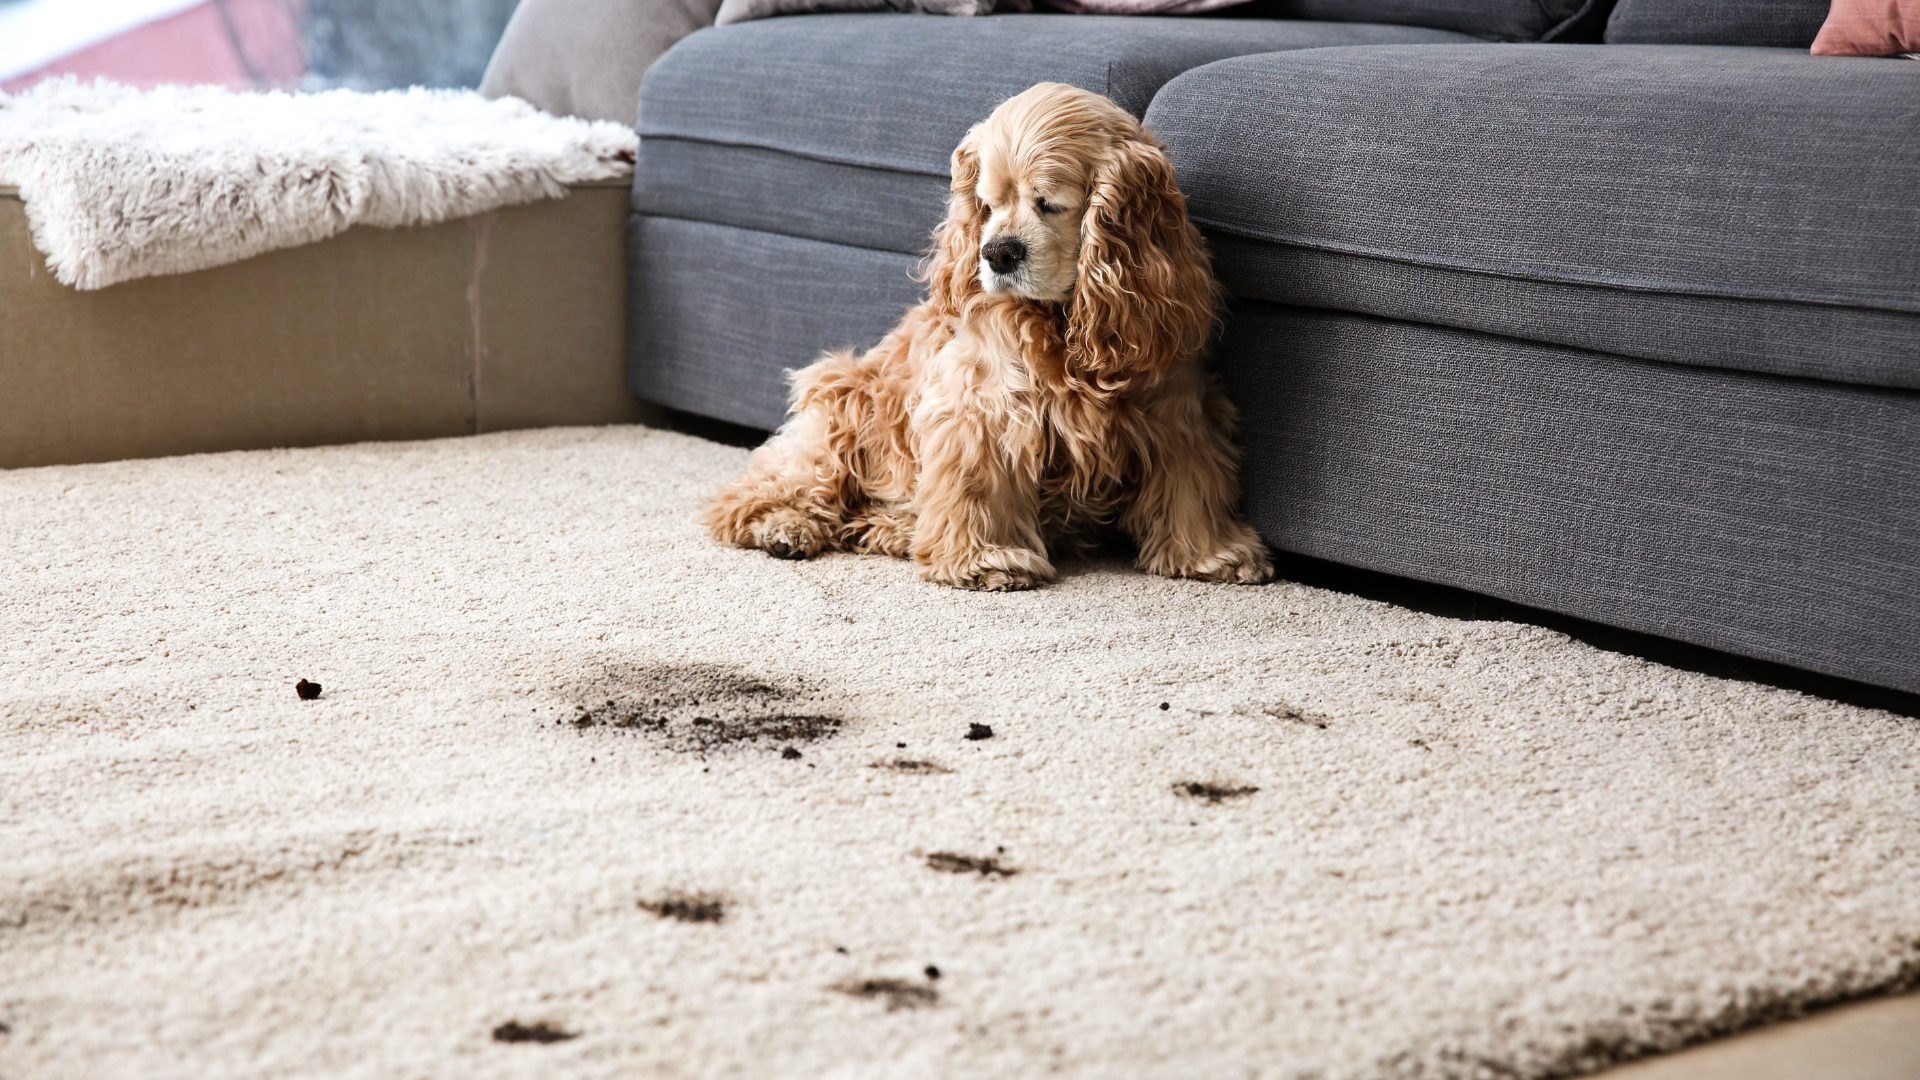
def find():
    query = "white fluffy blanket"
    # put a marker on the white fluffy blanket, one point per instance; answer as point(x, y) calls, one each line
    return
point(122, 183)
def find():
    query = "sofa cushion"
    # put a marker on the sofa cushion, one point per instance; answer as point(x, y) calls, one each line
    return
point(1784, 23)
point(839, 127)
point(1496, 20)
point(1744, 208)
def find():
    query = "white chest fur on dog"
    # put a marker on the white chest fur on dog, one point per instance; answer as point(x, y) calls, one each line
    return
point(1048, 389)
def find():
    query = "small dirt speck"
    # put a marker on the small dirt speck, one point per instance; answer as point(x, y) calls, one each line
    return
point(977, 732)
point(932, 972)
point(900, 746)
point(1212, 793)
point(897, 993)
point(307, 690)
point(688, 907)
point(1165, 705)
point(949, 863)
point(790, 754)
point(513, 1031)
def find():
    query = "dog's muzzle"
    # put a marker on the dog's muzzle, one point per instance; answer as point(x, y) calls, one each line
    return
point(1004, 256)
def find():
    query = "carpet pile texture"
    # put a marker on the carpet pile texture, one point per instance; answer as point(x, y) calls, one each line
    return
point(121, 183)
point(584, 794)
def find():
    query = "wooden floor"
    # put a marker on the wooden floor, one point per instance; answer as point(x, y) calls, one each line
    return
point(1868, 1040)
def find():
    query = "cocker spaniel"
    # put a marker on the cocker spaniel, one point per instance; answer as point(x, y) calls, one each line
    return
point(1047, 390)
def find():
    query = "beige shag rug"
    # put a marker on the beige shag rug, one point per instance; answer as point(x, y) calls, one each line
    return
point(121, 183)
point(586, 795)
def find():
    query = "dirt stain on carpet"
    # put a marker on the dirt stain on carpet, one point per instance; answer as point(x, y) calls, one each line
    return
point(902, 765)
point(688, 907)
point(698, 708)
point(1211, 793)
point(513, 1031)
point(87, 890)
point(949, 863)
point(1293, 714)
point(897, 993)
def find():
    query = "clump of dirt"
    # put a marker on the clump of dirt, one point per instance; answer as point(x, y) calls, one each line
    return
point(1212, 793)
point(513, 1031)
point(950, 863)
point(688, 907)
point(307, 690)
point(898, 993)
point(1291, 714)
point(699, 708)
point(979, 731)
point(902, 765)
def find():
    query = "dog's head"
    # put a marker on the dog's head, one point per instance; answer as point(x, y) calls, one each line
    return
point(1061, 197)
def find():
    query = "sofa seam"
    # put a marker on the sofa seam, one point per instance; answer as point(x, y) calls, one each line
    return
point(1671, 289)
point(787, 236)
point(829, 159)
point(1896, 389)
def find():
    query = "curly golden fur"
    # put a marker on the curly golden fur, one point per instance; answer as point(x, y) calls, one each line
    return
point(1047, 390)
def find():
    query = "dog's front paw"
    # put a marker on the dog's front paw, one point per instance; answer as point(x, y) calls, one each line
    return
point(788, 534)
point(993, 570)
point(1239, 561)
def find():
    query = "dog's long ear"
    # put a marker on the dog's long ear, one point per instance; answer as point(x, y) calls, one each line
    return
point(953, 272)
point(1144, 297)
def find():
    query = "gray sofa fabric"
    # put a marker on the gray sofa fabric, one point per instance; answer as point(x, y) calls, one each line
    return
point(1789, 24)
point(1602, 190)
point(839, 127)
point(1767, 516)
point(718, 314)
point(1494, 20)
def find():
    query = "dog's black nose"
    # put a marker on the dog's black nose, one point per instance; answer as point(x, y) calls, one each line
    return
point(780, 549)
point(1004, 254)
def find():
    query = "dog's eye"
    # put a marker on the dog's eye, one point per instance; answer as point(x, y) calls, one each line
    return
point(1045, 207)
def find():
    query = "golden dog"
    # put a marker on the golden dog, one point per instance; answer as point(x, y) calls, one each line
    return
point(1047, 390)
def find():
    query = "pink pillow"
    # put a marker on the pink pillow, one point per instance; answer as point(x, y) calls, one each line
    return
point(1870, 28)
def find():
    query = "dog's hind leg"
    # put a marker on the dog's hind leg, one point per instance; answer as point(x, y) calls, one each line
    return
point(802, 488)
point(790, 499)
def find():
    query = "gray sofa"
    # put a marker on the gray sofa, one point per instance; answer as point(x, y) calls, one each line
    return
point(1626, 328)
